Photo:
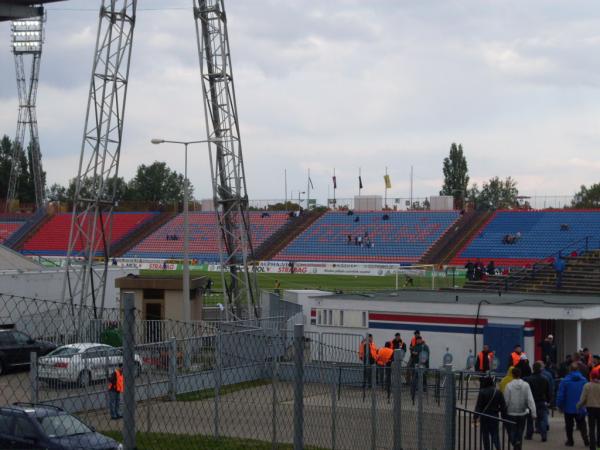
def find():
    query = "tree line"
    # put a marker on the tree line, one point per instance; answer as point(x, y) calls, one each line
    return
point(495, 193)
point(155, 183)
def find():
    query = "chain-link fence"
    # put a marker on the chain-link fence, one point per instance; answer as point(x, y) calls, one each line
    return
point(95, 376)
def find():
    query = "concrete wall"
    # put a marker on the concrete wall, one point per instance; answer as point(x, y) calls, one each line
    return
point(48, 284)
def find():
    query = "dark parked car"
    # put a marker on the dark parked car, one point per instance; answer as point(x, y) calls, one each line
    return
point(29, 426)
point(15, 349)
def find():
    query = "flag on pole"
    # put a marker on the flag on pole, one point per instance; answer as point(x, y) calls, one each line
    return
point(334, 182)
point(310, 181)
point(388, 182)
point(360, 185)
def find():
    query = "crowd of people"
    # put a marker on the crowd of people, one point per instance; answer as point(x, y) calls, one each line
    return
point(477, 270)
point(361, 240)
point(527, 392)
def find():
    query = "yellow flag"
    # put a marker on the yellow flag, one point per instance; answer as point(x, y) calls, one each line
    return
point(388, 182)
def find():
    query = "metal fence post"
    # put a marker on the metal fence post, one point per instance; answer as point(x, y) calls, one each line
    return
point(373, 407)
point(397, 398)
point(298, 387)
point(33, 376)
point(333, 407)
point(420, 379)
point(172, 355)
point(129, 369)
point(218, 379)
point(274, 369)
point(450, 404)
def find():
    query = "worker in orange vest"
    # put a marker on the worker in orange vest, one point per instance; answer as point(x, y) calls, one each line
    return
point(485, 359)
point(413, 341)
point(370, 360)
point(385, 356)
point(515, 356)
point(116, 385)
point(595, 367)
point(397, 343)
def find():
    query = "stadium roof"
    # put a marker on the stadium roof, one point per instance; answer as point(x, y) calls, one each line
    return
point(21, 9)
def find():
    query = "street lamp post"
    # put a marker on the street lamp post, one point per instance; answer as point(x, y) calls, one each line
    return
point(186, 307)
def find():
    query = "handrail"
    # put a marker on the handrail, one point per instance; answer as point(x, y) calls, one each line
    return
point(487, 416)
point(524, 273)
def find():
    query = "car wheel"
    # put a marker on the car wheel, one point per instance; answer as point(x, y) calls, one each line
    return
point(84, 379)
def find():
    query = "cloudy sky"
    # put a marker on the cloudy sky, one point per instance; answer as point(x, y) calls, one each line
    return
point(345, 84)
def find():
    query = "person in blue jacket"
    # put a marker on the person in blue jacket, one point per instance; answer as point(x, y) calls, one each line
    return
point(569, 393)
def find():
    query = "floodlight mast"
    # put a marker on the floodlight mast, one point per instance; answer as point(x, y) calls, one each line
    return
point(27, 36)
point(95, 185)
point(226, 161)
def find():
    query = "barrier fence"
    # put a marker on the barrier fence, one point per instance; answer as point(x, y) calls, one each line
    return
point(247, 384)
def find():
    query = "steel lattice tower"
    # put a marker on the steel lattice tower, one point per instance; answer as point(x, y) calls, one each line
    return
point(27, 41)
point(94, 200)
point(225, 151)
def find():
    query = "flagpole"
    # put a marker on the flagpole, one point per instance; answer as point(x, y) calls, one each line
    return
point(334, 188)
point(308, 190)
point(411, 187)
point(386, 189)
point(285, 187)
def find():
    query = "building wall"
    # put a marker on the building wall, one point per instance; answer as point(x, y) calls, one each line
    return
point(445, 327)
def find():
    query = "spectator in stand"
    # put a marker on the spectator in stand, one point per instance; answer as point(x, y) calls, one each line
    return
point(542, 395)
point(517, 237)
point(590, 399)
point(564, 227)
point(569, 394)
point(479, 269)
point(519, 404)
point(490, 402)
point(491, 268)
point(549, 350)
point(349, 241)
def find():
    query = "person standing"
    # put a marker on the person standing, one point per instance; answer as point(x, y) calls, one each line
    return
point(590, 399)
point(569, 394)
point(116, 386)
point(542, 395)
point(419, 357)
point(549, 350)
point(367, 346)
point(490, 402)
point(385, 356)
point(277, 287)
point(485, 359)
point(515, 356)
point(519, 403)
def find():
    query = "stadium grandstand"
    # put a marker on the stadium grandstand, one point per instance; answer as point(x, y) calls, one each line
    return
point(52, 238)
point(11, 223)
point(369, 237)
point(519, 238)
point(167, 241)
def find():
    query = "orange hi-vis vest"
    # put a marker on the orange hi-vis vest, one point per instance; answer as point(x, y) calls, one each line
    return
point(480, 360)
point(384, 356)
point(516, 358)
point(372, 350)
point(119, 385)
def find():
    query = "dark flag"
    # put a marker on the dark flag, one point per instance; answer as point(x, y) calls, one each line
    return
point(360, 185)
point(334, 182)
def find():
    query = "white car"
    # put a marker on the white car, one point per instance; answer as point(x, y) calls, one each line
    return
point(82, 363)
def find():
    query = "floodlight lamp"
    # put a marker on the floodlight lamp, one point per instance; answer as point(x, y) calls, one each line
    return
point(157, 141)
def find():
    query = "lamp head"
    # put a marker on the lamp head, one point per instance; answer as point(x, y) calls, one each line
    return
point(157, 141)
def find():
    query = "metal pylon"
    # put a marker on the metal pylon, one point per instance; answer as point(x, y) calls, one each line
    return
point(27, 37)
point(94, 199)
point(225, 152)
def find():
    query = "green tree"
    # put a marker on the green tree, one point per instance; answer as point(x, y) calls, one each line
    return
point(587, 197)
point(5, 156)
point(88, 186)
point(25, 183)
point(57, 193)
point(157, 183)
point(495, 194)
point(456, 174)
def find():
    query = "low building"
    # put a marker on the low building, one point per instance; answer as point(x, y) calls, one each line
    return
point(458, 322)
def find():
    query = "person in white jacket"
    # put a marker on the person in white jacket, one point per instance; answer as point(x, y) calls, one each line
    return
point(519, 404)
